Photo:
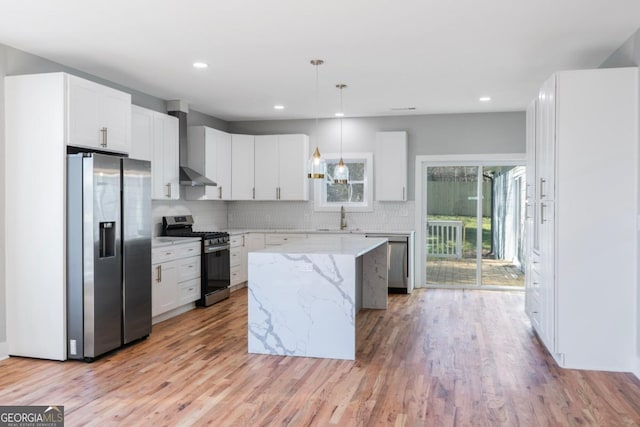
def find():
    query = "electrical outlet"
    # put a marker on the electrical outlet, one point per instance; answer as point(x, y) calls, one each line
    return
point(72, 347)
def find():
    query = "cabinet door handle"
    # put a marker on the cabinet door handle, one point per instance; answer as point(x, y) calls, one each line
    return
point(219, 192)
point(168, 190)
point(403, 195)
point(542, 181)
point(159, 279)
point(103, 131)
point(254, 192)
point(542, 206)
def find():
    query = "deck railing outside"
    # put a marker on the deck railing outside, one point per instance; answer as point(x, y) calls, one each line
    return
point(444, 239)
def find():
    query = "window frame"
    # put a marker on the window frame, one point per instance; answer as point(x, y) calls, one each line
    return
point(320, 193)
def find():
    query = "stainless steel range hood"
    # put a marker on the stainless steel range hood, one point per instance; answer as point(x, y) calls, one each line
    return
point(192, 178)
point(188, 176)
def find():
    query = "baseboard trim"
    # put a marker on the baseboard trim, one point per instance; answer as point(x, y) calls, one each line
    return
point(173, 313)
point(4, 350)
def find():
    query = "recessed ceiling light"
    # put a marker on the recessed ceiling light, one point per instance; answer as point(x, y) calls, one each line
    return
point(339, 114)
point(484, 99)
point(200, 65)
point(278, 107)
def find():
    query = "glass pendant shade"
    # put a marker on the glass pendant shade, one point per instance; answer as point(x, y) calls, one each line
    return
point(341, 173)
point(317, 166)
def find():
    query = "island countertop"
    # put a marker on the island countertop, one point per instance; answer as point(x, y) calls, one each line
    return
point(329, 245)
point(304, 295)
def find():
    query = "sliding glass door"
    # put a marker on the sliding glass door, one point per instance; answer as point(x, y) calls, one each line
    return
point(473, 225)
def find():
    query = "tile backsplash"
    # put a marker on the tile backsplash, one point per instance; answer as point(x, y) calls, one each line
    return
point(215, 215)
point(386, 216)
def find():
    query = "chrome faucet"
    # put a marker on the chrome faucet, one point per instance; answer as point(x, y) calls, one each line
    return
point(343, 219)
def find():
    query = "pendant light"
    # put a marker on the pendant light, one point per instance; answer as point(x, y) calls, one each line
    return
point(317, 165)
point(341, 172)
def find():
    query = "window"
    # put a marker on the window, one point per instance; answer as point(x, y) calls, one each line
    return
point(357, 195)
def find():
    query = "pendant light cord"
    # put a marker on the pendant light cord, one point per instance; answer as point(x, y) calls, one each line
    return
point(341, 117)
point(317, 107)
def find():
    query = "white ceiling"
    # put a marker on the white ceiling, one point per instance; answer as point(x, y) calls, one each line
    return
point(438, 56)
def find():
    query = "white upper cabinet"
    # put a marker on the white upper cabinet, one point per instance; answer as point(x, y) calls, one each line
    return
point(266, 167)
point(99, 117)
point(391, 166)
point(280, 171)
point(209, 153)
point(141, 133)
point(293, 154)
point(242, 167)
point(165, 166)
point(155, 138)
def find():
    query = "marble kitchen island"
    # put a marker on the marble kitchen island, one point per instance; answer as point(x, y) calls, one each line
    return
point(304, 295)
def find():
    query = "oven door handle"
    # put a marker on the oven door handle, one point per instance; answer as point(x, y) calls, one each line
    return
point(212, 249)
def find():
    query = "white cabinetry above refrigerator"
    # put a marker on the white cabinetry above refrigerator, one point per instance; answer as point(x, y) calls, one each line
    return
point(99, 117)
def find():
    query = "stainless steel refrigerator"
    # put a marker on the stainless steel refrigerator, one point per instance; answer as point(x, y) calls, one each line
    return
point(108, 253)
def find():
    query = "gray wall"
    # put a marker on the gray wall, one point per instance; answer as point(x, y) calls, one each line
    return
point(480, 133)
point(628, 55)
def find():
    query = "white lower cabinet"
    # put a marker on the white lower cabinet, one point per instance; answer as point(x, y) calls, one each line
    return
point(175, 273)
point(238, 260)
point(164, 296)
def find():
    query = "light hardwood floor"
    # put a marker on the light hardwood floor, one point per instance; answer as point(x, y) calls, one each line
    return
point(434, 358)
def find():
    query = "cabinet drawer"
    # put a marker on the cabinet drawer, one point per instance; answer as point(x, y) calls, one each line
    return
point(235, 241)
point(236, 276)
point(188, 268)
point(188, 250)
point(281, 239)
point(159, 255)
point(189, 291)
point(235, 257)
point(536, 279)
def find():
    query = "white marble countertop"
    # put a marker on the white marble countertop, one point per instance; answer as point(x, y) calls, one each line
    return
point(347, 245)
point(160, 241)
point(234, 232)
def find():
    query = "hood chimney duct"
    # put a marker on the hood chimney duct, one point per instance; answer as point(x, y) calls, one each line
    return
point(188, 176)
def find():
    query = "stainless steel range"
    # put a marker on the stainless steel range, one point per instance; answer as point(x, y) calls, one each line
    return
point(215, 269)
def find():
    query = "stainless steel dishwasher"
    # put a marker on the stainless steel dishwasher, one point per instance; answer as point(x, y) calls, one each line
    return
point(398, 268)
